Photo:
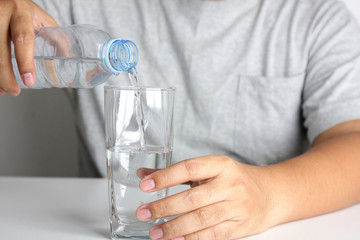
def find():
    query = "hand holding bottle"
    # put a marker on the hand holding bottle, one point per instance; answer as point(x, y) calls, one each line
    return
point(19, 19)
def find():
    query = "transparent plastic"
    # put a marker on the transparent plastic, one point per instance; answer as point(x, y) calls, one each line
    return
point(78, 56)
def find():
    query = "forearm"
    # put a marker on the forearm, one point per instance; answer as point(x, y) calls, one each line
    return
point(325, 179)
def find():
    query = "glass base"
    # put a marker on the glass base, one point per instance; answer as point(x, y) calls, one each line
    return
point(119, 237)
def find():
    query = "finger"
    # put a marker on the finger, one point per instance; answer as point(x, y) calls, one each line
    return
point(7, 79)
point(183, 202)
point(197, 220)
point(41, 18)
point(23, 38)
point(142, 172)
point(195, 169)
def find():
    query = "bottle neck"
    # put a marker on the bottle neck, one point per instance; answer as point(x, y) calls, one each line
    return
point(119, 55)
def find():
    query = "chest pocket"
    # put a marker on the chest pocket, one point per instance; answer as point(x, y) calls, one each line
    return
point(268, 126)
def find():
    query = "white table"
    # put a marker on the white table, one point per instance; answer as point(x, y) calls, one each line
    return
point(77, 209)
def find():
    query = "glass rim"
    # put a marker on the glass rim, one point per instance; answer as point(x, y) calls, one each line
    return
point(139, 88)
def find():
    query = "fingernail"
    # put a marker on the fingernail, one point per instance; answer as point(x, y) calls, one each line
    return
point(147, 185)
point(14, 94)
point(28, 79)
point(144, 214)
point(156, 233)
point(1, 92)
point(179, 238)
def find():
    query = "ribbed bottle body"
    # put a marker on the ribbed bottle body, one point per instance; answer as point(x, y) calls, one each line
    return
point(70, 57)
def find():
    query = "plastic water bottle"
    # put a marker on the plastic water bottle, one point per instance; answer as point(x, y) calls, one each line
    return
point(78, 56)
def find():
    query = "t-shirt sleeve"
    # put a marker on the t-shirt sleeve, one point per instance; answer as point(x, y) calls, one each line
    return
point(60, 10)
point(332, 85)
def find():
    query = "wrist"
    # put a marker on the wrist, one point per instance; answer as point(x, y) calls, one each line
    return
point(279, 203)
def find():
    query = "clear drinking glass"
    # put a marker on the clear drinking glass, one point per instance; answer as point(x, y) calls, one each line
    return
point(139, 134)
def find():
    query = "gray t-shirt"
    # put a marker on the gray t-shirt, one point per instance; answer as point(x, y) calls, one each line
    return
point(257, 80)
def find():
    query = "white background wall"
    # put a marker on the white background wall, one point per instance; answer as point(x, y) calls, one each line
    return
point(37, 135)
